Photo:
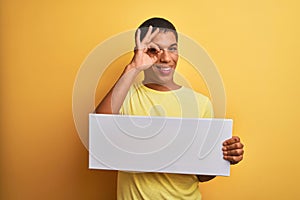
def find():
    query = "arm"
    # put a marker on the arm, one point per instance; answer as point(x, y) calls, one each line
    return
point(204, 178)
point(114, 99)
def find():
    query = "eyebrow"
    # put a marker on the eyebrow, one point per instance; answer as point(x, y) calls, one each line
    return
point(174, 44)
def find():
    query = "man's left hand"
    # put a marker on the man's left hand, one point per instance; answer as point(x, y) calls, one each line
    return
point(233, 150)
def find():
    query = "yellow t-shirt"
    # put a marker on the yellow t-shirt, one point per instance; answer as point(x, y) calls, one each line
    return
point(144, 101)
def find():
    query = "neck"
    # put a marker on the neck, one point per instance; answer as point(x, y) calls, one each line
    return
point(159, 87)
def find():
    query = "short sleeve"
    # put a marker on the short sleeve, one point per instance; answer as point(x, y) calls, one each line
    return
point(208, 110)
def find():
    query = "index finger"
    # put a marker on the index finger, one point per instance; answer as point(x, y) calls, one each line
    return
point(153, 48)
point(232, 140)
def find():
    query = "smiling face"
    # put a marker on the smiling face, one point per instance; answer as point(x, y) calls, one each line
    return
point(160, 75)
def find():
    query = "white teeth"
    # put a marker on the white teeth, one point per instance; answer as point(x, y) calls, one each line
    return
point(164, 68)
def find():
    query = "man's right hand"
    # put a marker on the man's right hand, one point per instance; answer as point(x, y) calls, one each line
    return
point(144, 53)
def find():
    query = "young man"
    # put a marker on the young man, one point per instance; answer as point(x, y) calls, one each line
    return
point(156, 54)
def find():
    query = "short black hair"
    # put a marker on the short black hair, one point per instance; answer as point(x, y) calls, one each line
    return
point(157, 22)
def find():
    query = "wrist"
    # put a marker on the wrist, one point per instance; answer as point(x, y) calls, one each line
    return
point(132, 68)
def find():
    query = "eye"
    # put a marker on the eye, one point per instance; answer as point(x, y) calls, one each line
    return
point(152, 50)
point(173, 49)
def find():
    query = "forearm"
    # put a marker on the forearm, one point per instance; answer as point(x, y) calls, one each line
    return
point(204, 178)
point(114, 99)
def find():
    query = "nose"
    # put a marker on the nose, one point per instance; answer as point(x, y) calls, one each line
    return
point(164, 56)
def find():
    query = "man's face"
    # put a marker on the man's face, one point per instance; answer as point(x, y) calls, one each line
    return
point(162, 71)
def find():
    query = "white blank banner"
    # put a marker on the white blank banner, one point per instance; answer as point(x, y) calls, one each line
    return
point(158, 144)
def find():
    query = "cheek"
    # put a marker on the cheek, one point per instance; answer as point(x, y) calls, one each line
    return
point(175, 58)
point(150, 71)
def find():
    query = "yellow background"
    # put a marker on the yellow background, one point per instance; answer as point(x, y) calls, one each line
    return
point(255, 45)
